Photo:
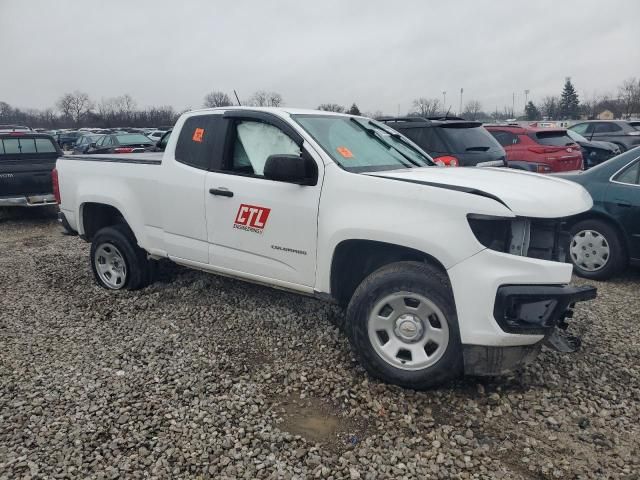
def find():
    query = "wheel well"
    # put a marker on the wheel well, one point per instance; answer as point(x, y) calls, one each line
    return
point(602, 218)
point(354, 260)
point(98, 215)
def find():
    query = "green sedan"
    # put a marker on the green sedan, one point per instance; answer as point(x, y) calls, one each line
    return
point(606, 239)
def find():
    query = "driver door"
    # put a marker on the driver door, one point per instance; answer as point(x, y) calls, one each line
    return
point(261, 228)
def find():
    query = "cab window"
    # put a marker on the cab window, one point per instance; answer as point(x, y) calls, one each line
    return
point(197, 141)
point(253, 143)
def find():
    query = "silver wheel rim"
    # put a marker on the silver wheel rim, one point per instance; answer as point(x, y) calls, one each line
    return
point(589, 250)
point(408, 331)
point(110, 265)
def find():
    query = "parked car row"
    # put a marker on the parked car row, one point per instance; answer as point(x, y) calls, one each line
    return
point(67, 139)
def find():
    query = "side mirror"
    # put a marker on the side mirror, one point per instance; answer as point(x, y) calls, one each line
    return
point(299, 169)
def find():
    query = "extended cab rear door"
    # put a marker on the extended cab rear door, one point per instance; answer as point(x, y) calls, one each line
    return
point(257, 227)
point(182, 192)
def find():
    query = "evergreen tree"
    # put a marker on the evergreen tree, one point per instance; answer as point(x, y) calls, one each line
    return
point(354, 110)
point(569, 102)
point(532, 112)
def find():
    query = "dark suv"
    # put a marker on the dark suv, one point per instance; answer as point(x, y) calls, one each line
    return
point(451, 141)
point(619, 132)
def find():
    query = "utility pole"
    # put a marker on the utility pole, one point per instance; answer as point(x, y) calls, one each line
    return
point(444, 101)
point(513, 105)
point(526, 100)
point(461, 92)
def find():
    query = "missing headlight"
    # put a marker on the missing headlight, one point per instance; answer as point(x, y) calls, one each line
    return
point(492, 232)
point(545, 239)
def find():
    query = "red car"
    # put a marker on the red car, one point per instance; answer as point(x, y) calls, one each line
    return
point(542, 150)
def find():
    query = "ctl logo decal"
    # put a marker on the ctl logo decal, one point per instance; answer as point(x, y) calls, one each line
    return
point(251, 218)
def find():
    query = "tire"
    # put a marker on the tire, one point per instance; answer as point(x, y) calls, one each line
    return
point(421, 295)
point(596, 250)
point(117, 261)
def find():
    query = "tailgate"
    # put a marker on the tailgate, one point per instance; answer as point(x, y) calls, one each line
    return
point(24, 177)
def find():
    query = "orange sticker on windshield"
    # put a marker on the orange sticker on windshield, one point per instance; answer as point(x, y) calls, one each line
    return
point(198, 134)
point(345, 152)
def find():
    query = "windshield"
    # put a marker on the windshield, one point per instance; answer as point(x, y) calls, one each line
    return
point(361, 145)
point(132, 138)
point(576, 136)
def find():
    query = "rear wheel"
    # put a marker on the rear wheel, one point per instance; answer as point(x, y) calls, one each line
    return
point(117, 261)
point(596, 250)
point(402, 324)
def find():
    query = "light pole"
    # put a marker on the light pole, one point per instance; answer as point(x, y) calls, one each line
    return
point(444, 101)
point(526, 100)
point(461, 92)
point(513, 105)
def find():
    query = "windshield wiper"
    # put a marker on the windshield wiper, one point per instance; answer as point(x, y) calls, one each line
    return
point(400, 138)
point(372, 133)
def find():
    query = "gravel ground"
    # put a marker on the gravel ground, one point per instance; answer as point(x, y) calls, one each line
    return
point(199, 376)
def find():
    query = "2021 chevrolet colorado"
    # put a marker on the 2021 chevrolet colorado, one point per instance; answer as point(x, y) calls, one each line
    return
point(441, 270)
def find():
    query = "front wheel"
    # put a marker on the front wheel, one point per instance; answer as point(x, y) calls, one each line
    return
point(402, 324)
point(117, 261)
point(596, 250)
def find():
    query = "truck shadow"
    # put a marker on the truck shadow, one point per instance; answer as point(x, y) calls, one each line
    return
point(29, 216)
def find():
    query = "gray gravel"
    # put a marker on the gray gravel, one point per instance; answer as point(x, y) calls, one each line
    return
point(204, 377)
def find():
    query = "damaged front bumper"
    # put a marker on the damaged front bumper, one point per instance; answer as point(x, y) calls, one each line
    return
point(527, 310)
point(535, 309)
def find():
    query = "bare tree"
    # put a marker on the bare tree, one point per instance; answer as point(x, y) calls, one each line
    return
point(263, 98)
point(65, 103)
point(217, 99)
point(75, 105)
point(629, 95)
point(275, 99)
point(426, 107)
point(259, 99)
point(550, 107)
point(331, 107)
point(591, 105)
point(472, 110)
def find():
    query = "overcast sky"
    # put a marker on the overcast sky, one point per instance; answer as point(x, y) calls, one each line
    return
point(379, 54)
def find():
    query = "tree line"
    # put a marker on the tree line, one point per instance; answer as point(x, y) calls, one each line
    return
point(75, 109)
point(565, 106)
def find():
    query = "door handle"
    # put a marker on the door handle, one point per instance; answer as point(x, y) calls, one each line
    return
point(222, 192)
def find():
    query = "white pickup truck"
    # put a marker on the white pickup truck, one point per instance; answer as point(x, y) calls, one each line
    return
point(441, 270)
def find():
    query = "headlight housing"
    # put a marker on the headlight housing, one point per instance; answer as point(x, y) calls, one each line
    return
point(545, 239)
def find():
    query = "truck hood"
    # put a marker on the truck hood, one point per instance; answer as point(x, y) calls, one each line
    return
point(526, 194)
